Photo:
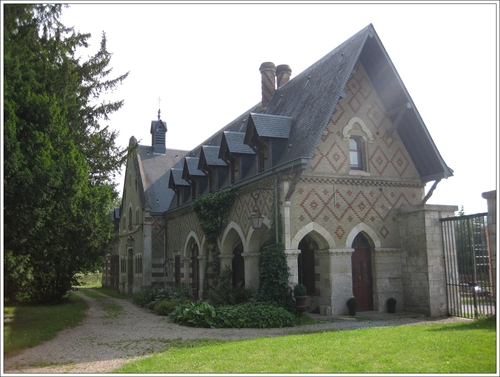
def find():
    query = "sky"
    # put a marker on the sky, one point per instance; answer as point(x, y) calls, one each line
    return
point(199, 64)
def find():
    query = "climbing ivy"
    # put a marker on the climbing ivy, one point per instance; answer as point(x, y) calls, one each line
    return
point(274, 271)
point(212, 211)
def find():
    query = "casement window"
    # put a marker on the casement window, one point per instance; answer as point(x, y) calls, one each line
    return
point(138, 264)
point(356, 153)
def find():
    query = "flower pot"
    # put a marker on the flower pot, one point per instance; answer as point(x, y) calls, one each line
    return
point(301, 303)
point(391, 308)
point(352, 311)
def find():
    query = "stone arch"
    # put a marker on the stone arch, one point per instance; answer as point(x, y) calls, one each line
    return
point(322, 237)
point(363, 228)
point(256, 237)
point(347, 129)
point(230, 238)
point(186, 250)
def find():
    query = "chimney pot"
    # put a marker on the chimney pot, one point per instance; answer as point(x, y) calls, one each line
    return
point(268, 76)
point(283, 73)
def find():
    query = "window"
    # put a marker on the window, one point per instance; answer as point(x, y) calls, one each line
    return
point(138, 263)
point(356, 153)
point(123, 264)
point(130, 219)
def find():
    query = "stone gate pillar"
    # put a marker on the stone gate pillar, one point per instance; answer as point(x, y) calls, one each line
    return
point(340, 278)
point(491, 197)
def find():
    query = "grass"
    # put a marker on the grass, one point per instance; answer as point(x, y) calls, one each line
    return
point(450, 348)
point(30, 325)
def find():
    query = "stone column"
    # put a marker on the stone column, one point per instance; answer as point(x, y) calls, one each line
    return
point(251, 269)
point(293, 263)
point(340, 277)
point(491, 197)
point(202, 265)
point(423, 269)
point(387, 281)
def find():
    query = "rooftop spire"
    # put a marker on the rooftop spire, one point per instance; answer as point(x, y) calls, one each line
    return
point(159, 111)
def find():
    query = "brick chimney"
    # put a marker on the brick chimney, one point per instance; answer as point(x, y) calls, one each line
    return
point(268, 74)
point(283, 73)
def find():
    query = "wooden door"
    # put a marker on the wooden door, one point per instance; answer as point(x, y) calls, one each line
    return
point(362, 274)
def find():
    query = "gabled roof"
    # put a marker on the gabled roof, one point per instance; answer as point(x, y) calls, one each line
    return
point(233, 143)
point(312, 96)
point(176, 178)
point(209, 156)
point(267, 126)
point(191, 168)
point(310, 99)
point(158, 124)
point(153, 175)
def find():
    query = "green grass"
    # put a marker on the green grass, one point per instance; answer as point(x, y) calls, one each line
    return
point(112, 310)
point(450, 348)
point(30, 325)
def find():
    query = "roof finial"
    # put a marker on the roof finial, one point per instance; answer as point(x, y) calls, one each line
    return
point(159, 99)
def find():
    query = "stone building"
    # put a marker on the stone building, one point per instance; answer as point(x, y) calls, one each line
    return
point(345, 150)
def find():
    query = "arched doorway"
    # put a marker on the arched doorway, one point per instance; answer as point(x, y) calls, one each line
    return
point(238, 266)
point(306, 271)
point(362, 286)
point(195, 268)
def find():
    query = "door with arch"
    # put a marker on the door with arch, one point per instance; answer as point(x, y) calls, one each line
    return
point(305, 261)
point(238, 266)
point(362, 285)
point(195, 270)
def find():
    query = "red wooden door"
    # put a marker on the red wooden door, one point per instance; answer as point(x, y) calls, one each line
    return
point(362, 279)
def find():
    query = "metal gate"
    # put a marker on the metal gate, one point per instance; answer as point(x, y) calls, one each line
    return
point(469, 280)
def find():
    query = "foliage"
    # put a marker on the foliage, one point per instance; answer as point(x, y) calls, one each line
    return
point(212, 211)
point(60, 163)
point(223, 292)
point(300, 290)
point(165, 307)
point(89, 278)
point(352, 303)
point(274, 276)
point(254, 315)
point(195, 314)
point(149, 296)
point(250, 314)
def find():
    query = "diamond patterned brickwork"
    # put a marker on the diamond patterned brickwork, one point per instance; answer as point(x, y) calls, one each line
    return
point(178, 229)
point(386, 157)
point(243, 206)
point(340, 205)
point(157, 238)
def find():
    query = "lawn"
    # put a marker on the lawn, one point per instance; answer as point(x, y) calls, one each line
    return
point(450, 348)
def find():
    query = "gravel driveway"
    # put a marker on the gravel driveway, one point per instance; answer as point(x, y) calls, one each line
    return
point(105, 340)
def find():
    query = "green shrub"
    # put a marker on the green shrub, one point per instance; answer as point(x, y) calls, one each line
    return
point(180, 292)
point(254, 315)
point(165, 307)
point(195, 314)
point(225, 293)
point(247, 315)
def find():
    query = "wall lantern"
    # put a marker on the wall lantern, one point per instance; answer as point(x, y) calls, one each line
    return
point(130, 242)
point(256, 219)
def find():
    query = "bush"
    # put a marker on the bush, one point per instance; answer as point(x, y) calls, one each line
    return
point(180, 292)
point(300, 290)
point(255, 315)
point(247, 315)
point(225, 293)
point(195, 314)
point(149, 296)
point(165, 307)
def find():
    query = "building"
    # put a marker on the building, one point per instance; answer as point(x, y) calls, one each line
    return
point(343, 147)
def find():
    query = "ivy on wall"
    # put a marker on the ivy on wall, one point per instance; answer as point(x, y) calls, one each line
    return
point(212, 211)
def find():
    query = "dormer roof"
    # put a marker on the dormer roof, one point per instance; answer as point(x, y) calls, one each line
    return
point(209, 157)
point(267, 126)
point(233, 143)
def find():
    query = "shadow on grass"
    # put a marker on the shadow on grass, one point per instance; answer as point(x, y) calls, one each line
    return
point(488, 323)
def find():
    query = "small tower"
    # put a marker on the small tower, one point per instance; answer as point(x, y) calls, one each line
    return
point(158, 131)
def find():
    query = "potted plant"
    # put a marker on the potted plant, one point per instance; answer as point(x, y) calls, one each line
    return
point(391, 305)
point(352, 304)
point(300, 294)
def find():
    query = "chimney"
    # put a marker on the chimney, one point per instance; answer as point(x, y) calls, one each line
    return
point(268, 74)
point(283, 73)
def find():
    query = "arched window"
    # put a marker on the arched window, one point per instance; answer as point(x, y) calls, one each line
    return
point(356, 153)
point(130, 218)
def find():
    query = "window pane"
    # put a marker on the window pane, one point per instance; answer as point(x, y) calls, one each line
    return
point(354, 159)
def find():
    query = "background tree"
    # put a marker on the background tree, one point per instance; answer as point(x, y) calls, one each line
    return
point(59, 162)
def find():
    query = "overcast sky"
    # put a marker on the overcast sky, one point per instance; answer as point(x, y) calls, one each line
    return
point(203, 61)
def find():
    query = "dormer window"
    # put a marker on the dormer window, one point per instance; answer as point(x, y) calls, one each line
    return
point(356, 153)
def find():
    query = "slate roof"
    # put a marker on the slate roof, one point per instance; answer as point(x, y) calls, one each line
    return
point(191, 167)
point(209, 155)
point(176, 177)
point(153, 176)
point(310, 98)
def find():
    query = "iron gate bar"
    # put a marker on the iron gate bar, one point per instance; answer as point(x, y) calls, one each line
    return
point(468, 276)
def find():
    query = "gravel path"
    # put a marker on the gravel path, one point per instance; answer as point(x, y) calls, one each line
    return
point(107, 339)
